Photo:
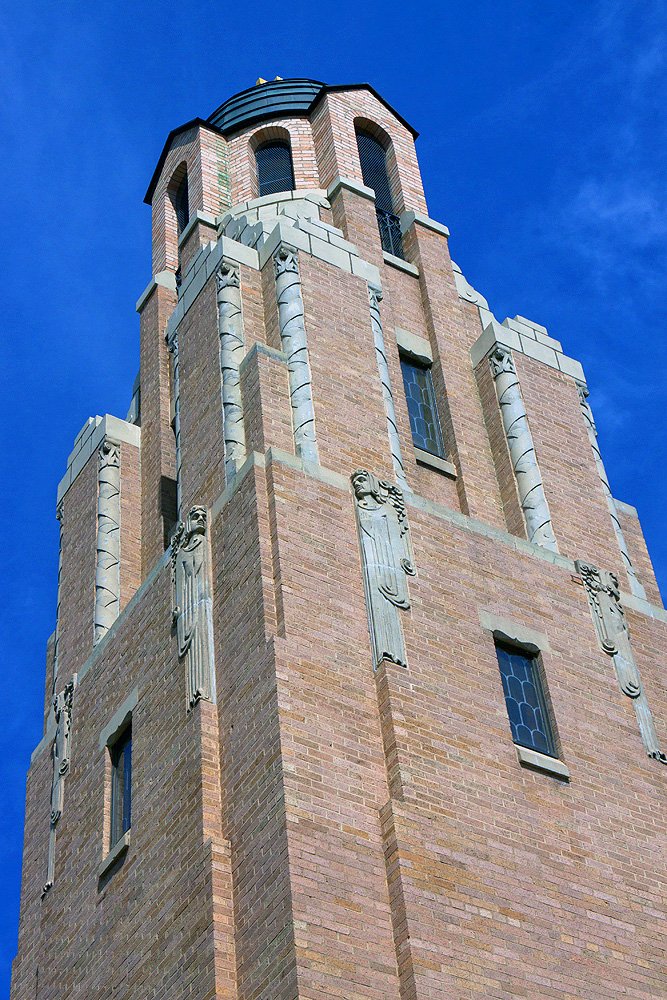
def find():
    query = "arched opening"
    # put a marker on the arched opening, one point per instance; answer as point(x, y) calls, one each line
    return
point(373, 160)
point(275, 171)
point(178, 195)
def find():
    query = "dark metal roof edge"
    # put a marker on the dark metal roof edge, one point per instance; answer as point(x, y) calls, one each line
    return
point(332, 88)
point(195, 123)
point(248, 89)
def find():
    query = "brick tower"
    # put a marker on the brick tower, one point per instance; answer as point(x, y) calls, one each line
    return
point(357, 686)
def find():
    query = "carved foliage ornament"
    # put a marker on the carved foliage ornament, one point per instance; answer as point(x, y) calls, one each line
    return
point(192, 605)
point(604, 601)
point(387, 559)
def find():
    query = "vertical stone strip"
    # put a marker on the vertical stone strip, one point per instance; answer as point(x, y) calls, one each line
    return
point(635, 585)
point(59, 515)
point(374, 298)
point(107, 573)
point(192, 605)
point(173, 350)
point(232, 350)
point(293, 337)
point(611, 627)
point(62, 706)
point(522, 450)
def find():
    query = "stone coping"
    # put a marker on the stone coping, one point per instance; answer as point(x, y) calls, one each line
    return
point(506, 335)
point(165, 278)
point(89, 439)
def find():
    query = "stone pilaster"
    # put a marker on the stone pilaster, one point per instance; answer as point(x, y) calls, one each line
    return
point(522, 450)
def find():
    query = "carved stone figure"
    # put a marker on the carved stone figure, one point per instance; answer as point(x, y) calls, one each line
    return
point(173, 350)
point(107, 572)
point(192, 606)
point(232, 350)
point(60, 752)
point(386, 559)
point(293, 337)
point(635, 585)
point(604, 601)
point(522, 450)
point(374, 298)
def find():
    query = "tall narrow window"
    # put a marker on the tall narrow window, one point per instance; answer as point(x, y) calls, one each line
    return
point(181, 205)
point(373, 158)
point(274, 167)
point(526, 707)
point(424, 423)
point(121, 785)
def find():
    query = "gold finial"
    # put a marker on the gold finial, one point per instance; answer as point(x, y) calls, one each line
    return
point(278, 78)
point(257, 82)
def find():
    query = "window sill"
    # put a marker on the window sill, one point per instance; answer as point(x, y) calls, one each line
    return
point(114, 854)
point(425, 458)
point(400, 264)
point(541, 761)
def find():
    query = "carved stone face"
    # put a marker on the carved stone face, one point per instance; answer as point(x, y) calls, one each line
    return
point(196, 523)
point(361, 483)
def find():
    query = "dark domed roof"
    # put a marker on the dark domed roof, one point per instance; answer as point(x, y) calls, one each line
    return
point(275, 99)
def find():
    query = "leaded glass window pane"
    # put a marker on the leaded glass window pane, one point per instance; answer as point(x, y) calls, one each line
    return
point(274, 168)
point(526, 707)
point(424, 423)
point(121, 786)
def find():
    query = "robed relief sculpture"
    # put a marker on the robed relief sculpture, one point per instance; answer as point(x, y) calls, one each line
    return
point(62, 707)
point(387, 561)
point(192, 605)
point(604, 600)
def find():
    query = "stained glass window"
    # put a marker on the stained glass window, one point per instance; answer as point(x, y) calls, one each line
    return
point(121, 786)
point(424, 423)
point(274, 168)
point(526, 708)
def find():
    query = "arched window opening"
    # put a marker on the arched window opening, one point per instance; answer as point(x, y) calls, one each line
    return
point(274, 167)
point(373, 158)
point(181, 206)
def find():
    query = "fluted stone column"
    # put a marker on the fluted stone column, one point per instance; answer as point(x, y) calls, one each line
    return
point(374, 298)
point(232, 351)
point(107, 573)
point(635, 585)
point(293, 337)
point(173, 350)
point(522, 450)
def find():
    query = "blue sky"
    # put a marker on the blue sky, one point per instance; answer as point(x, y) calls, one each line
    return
point(542, 148)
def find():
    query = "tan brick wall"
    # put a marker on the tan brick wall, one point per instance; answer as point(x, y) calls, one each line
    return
point(324, 831)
